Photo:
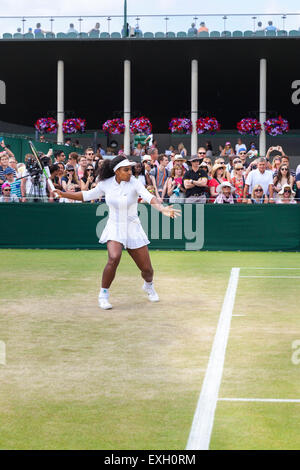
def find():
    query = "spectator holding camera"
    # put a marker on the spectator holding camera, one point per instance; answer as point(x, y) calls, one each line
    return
point(146, 163)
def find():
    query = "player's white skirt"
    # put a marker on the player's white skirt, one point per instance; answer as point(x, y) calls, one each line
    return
point(129, 232)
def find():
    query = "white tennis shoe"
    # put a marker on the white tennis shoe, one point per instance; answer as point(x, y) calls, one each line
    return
point(104, 303)
point(152, 294)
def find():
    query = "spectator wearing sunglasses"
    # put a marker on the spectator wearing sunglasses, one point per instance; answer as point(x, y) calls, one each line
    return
point(243, 156)
point(201, 153)
point(69, 177)
point(7, 195)
point(286, 195)
point(90, 155)
point(283, 177)
point(285, 160)
point(87, 182)
point(238, 181)
point(258, 196)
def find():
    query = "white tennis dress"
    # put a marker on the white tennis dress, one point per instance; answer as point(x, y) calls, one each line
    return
point(123, 223)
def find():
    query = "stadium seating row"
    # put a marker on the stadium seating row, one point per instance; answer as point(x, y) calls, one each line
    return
point(150, 35)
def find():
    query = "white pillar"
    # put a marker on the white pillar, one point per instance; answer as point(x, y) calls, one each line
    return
point(262, 105)
point(194, 106)
point(127, 99)
point(60, 101)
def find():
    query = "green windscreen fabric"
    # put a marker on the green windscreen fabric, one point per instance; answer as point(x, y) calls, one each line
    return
point(201, 227)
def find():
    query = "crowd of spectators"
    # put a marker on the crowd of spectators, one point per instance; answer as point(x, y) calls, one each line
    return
point(132, 31)
point(236, 174)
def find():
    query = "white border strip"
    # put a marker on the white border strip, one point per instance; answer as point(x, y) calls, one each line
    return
point(202, 425)
point(251, 267)
point(271, 277)
point(263, 400)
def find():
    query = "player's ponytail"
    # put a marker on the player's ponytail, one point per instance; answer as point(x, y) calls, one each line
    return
point(106, 169)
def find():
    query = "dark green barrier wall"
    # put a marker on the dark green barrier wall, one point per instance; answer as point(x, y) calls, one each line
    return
point(207, 227)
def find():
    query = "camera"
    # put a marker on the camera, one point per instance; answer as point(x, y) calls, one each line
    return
point(32, 167)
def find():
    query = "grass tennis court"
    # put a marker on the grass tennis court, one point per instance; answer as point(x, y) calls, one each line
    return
point(77, 377)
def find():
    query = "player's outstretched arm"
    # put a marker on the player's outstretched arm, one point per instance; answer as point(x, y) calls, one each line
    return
point(69, 195)
point(168, 211)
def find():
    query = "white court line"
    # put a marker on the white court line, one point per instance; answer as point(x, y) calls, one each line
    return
point(263, 400)
point(202, 425)
point(271, 277)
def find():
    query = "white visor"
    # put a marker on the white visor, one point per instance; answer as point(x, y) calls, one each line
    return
point(123, 163)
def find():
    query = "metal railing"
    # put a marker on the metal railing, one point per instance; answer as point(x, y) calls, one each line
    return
point(148, 23)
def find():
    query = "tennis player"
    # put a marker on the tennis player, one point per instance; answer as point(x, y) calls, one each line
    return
point(123, 228)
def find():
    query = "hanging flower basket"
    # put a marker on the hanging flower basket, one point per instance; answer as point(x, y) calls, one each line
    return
point(140, 125)
point(276, 126)
point(74, 125)
point(46, 125)
point(249, 126)
point(208, 124)
point(114, 126)
point(180, 126)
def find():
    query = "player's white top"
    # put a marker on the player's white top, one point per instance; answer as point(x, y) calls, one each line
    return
point(123, 223)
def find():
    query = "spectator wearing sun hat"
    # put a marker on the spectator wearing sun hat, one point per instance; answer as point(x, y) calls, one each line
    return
point(225, 194)
point(177, 159)
point(218, 175)
point(7, 196)
point(286, 195)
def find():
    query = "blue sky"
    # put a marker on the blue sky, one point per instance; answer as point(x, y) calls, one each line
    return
point(157, 7)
